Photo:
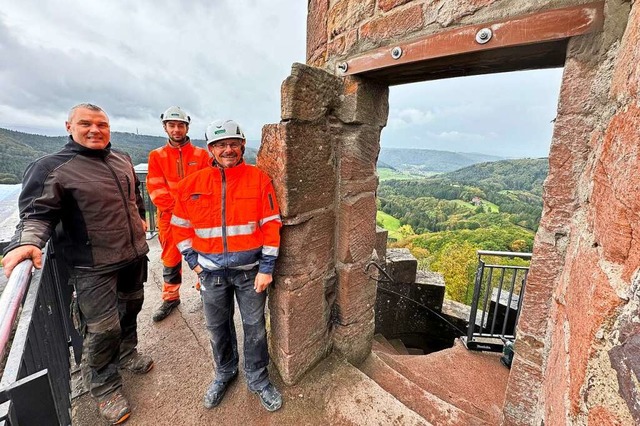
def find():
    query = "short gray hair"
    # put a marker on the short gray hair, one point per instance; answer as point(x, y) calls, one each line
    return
point(85, 106)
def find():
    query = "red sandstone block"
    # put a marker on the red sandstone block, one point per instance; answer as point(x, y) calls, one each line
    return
point(359, 148)
point(356, 293)
point(357, 228)
point(300, 159)
point(626, 78)
point(350, 188)
point(602, 416)
point(299, 317)
point(397, 23)
point(387, 5)
point(306, 249)
point(363, 102)
point(316, 25)
point(347, 14)
point(292, 366)
point(523, 394)
point(309, 93)
point(576, 96)
point(354, 341)
point(336, 46)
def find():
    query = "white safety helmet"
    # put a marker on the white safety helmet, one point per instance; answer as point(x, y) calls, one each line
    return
point(174, 113)
point(223, 129)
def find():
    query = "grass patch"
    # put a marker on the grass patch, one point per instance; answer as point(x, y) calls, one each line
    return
point(390, 223)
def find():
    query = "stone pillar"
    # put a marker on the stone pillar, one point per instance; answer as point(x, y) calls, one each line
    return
point(362, 113)
point(322, 159)
point(300, 156)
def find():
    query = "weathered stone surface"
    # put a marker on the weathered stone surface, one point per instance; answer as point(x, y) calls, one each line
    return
point(316, 26)
point(625, 360)
point(359, 147)
point(523, 394)
point(363, 102)
point(428, 289)
point(387, 5)
point(357, 228)
point(356, 293)
point(401, 265)
point(576, 96)
point(354, 340)
point(381, 245)
point(308, 93)
point(400, 22)
point(346, 14)
point(306, 249)
point(292, 366)
point(451, 12)
point(626, 78)
point(351, 188)
point(615, 192)
point(300, 159)
point(299, 317)
point(600, 415)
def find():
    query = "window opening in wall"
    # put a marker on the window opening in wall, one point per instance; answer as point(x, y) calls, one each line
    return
point(461, 168)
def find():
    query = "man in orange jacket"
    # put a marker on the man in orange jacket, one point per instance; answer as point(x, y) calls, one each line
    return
point(167, 166)
point(227, 224)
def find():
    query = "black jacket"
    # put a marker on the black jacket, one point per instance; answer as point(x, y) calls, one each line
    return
point(91, 198)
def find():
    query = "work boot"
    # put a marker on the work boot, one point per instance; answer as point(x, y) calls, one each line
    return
point(165, 309)
point(114, 407)
point(270, 398)
point(214, 394)
point(137, 363)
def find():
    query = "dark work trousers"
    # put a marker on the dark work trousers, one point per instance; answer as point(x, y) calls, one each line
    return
point(108, 305)
point(217, 298)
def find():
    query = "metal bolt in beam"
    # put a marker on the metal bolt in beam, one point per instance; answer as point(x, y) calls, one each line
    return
point(343, 67)
point(484, 35)
point(396, 52)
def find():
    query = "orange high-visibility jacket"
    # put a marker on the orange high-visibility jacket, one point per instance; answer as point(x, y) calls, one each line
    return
point(168, 165)
point(227, 218)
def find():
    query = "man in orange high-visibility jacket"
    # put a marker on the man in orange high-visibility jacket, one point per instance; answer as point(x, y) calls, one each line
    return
point(227, 224)
point(167, 166)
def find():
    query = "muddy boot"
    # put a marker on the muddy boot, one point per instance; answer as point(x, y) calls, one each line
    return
point(165, 309)
point(137, 363)
point(270, 398)
point(114, 407)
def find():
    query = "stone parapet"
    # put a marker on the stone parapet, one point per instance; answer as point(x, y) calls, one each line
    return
point(402, 265)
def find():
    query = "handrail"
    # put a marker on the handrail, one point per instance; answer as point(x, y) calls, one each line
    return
point(11, 300)
point(504, 254)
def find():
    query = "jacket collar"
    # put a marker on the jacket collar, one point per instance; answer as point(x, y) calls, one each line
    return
point(83, 150)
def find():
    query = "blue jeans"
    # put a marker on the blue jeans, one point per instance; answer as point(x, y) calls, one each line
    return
point(217, 298)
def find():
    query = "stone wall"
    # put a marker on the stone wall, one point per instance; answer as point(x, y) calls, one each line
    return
point(322, 158)
point(337, 29)
point(577, 359)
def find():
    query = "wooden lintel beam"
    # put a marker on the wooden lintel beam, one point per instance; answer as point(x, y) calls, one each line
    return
point(539, 27)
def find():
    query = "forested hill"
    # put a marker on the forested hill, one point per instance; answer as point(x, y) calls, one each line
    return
point(428, 160)
point(18, 149)
point(476, 196)
point(519, 175)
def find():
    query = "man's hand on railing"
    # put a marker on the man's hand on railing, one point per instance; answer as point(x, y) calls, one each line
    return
point(19, 254)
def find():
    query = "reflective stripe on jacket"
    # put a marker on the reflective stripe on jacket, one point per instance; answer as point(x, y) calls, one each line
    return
point(227, 218)
point(168, 165)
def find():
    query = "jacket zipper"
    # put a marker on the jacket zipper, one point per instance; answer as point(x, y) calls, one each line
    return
point(224, 219)
point(180, 167)
point(126, 207)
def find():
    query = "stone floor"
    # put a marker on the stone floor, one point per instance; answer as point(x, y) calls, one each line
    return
point(171, 394)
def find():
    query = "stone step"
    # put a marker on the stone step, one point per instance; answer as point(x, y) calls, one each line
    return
point(474, 382)
point(381, 344)
point(399, 346)
point(429, 406)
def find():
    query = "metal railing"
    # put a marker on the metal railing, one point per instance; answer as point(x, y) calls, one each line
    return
point(497, 300)
point(152, 230)
point(35, 386)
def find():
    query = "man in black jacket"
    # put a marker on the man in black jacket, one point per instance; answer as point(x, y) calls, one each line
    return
point(92, 192)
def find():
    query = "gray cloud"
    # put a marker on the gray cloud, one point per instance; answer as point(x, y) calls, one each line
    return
point(228, 58)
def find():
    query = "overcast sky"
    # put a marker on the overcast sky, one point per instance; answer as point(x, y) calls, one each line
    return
point(227, 59)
